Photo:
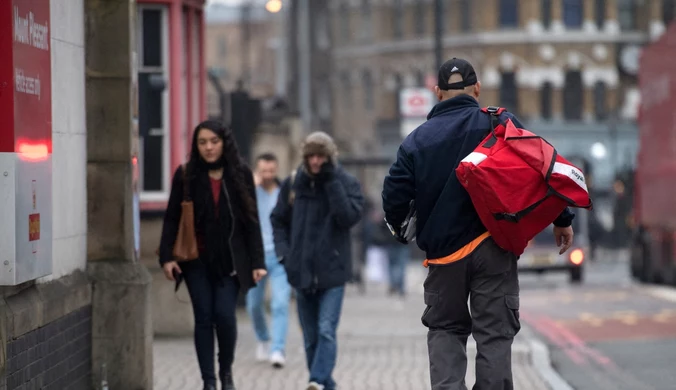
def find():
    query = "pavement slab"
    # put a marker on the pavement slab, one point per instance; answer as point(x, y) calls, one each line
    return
point(381, 345)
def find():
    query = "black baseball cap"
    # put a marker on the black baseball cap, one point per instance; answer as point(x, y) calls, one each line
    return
point(459, 66)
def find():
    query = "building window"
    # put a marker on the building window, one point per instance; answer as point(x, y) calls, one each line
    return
point(626, 14)
point(600, 108)
point(466, 15)
point(572, 13)
point(398, 24)
point(546, 92)
point(346, 88)
point(153, 99)
point(344, 23)
point(546, 13)
point(668, 11)
point(420, 24)
point(573, 96)
point(600, 13)
point(366, 23)
point(367, 83)
point(509, 13)
point(509, 93)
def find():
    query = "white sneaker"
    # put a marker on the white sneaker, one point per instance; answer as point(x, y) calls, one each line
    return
point(315, 386)
point(262, 352)
point(277, 359)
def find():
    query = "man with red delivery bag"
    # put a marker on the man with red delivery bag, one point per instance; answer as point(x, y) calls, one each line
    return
point(472, 187)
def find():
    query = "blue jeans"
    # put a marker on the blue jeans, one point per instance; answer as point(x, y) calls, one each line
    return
point(280, 295)
point(398, 258)
point(319, 314)
point(213, 305)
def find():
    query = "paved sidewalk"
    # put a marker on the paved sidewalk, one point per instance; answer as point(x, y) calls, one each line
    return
point(382, 345)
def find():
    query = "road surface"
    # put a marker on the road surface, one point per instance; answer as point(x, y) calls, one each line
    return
point(608, 333)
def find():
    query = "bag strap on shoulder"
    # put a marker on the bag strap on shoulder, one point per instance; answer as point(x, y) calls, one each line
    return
point(494, 112)
point(186, 183)
point(292, 193)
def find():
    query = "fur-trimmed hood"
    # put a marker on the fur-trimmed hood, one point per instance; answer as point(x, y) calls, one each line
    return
point(320, 143)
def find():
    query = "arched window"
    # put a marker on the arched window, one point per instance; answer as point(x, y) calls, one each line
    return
point(668, 11)
point(572, 13)
point(600, 104)
point(546, 92)
point(508, 15)
point(546, 13)
point(509, 93)
point(573, 96)
point(600, 13)
point(398, 25)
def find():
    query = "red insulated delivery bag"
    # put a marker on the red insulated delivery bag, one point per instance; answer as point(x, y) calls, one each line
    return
point(519, 184)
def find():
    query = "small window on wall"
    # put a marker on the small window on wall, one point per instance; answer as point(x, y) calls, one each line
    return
point(344, 22)
point(508, 15)
point(420, 24)
point(546, 13)
point(626, 14)
point(153, 128)
point(398, 25)
point(465, 15)
point(366, 21)
point(509, 92)
point(573, 96)
point(572, 13)
point(600, 101)
point(546, 94)
point(600, 13)
point(668, 11)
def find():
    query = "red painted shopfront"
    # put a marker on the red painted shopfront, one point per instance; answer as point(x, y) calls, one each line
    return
point(171, 79)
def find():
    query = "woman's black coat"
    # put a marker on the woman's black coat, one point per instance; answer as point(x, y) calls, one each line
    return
point(246, 240)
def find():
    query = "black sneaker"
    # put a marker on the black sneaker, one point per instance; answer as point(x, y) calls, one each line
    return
point(227, 382)
point(209, 386)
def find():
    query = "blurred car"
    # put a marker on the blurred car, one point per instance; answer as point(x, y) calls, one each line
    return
point(542, 254)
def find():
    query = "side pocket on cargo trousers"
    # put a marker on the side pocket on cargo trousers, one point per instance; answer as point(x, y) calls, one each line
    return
point(431, 299)
point(512, 323)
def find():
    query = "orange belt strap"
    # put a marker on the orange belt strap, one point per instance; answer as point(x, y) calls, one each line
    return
point(460, 253)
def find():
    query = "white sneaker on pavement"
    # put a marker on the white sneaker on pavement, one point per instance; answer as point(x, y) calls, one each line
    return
point(315, 386)
point(277, 359)
point(262, 352)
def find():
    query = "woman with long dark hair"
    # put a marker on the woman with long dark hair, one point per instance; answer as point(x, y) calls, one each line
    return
point(229, 240)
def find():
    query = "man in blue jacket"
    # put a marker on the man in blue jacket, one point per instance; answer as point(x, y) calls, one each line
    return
point(464, 261)
point(316, 208)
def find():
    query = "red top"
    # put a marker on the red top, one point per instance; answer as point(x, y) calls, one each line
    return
point(216, 191)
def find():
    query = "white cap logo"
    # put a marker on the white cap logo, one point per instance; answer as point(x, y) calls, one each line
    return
point(455, 69)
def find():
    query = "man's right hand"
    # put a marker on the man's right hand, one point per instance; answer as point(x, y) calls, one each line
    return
point(169, 268)
point(564, 238)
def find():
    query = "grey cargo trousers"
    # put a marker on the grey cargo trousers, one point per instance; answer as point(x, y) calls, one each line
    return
point(488, 277)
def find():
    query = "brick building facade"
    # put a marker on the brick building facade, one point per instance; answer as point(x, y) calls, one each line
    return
point(556, 63)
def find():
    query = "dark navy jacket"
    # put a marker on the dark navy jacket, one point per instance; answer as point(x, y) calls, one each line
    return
point(312, 234)
point(425, 171)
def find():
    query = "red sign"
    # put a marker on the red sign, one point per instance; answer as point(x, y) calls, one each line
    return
point(25, 78)
point(34, 227)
